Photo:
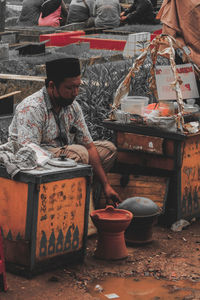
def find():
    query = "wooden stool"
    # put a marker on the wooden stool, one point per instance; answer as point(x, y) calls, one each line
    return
point(3, 284)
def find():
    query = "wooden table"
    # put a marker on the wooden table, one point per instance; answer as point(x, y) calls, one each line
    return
point(155, 152)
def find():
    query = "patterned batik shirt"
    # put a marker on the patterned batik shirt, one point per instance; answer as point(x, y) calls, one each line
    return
point(34, 122)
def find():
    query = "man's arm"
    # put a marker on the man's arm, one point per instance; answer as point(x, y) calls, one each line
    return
point(125, 15)
point(26, 126)
point(94, 160)
point(130, 9)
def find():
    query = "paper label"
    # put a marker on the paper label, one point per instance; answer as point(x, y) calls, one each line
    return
point(165, 77)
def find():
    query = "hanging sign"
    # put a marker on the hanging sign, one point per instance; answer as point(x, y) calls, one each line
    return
point(165, 77)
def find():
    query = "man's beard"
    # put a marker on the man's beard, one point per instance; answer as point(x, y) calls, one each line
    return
point(62, 102)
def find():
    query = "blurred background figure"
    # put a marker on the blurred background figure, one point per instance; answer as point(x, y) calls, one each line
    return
point(140, 12)
point(53, 13)
point(181, 19)
point(30, 12)
point(80, 10)
point(43, 13)
point(106, 14)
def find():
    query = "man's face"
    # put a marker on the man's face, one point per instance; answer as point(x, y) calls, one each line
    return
point(67, 91)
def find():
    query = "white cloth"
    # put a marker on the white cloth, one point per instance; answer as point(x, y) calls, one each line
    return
point(16, 157)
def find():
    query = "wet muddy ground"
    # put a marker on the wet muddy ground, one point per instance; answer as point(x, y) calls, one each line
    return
point(167, 268)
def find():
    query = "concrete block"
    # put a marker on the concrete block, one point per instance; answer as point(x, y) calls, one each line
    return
point(72, 27)
point(99, 43)
point(9, 38)
point(60, 38)
point(4, 51)
point(75, 49)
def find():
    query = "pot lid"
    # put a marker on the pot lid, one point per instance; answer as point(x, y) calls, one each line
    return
point(140, 206)
point(112, 214)
point(57, 162)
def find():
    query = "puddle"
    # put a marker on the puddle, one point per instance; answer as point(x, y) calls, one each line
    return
point(147, 288)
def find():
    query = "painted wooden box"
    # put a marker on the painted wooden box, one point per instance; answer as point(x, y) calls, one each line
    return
point(152, 151)
point(44, 217)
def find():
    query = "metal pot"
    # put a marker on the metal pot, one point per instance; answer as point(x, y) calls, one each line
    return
point(145, 213)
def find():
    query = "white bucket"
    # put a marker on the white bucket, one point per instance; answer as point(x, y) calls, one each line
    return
point(134, 104)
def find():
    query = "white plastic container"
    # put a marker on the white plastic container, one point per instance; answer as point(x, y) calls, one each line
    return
point(134, 104)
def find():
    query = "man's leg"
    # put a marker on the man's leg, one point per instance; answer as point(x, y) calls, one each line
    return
point(108, 153)
point(76, 152)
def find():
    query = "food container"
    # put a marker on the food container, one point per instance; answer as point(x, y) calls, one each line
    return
point(188, 108)
point(134, 104)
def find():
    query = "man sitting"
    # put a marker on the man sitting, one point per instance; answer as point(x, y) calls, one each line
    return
point(80, 10)
point(53, 13)
point(43, 13)
point(181, 20)
point(106, 14)
point(140, 12)
point(30, 12)
point(53, 119)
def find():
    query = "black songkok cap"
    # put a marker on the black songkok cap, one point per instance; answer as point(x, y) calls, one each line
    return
point(61, 68)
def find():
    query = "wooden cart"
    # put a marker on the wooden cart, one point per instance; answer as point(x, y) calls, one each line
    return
point(155, 152)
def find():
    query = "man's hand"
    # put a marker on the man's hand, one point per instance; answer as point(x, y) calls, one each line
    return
point(112, 197)
point(123, 19)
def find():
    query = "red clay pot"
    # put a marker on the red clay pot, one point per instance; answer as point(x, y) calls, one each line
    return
point(111, 224)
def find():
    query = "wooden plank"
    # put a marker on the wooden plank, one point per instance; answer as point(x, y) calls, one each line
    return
point(140, 178)
point(145, 190)
point(9, 95)
point(190, 179)
point(146, 160)
point(146, 186)
point(152, 187)
point(8, 32)
point(21, 77)
point(157, 192)
point(13, 208)
point(132, 141)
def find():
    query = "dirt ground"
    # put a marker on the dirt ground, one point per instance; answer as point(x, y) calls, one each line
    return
point(173, 256)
